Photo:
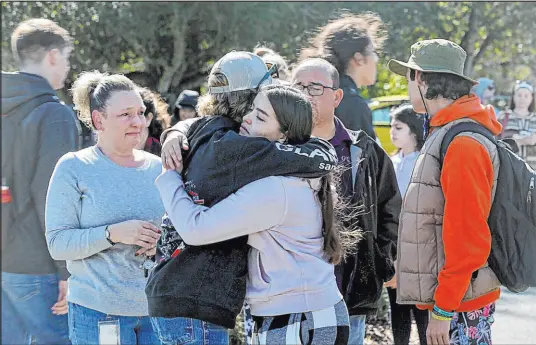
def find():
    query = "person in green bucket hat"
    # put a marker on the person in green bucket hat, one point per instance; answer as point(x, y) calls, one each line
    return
point(438, 55)
point(443, 238)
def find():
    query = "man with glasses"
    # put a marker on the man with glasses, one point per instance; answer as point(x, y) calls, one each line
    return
point(368, 181)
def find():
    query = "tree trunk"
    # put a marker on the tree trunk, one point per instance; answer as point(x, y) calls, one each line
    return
point(469, 39)
point(177, 66)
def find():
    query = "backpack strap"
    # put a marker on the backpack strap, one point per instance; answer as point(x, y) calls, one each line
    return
point(463, 127)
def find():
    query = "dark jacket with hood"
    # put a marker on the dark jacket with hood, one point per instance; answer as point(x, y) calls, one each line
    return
point(40, 136)
point(209, 282)
point(374, 188)
point(354, 111)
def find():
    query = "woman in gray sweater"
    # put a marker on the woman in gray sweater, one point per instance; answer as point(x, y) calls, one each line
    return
point(291, 284)
point(100, 214)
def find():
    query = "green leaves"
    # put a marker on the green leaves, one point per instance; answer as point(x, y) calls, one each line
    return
point(173, 45)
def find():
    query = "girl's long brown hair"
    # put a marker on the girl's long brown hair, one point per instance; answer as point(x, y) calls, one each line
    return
point(340, 232)
point(294, 113)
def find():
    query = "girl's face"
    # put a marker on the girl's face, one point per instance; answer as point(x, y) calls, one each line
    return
point(262, 121)
point(522, 99)
point(402, 137)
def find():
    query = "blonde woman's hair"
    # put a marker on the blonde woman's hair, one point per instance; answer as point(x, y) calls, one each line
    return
point(92, 90)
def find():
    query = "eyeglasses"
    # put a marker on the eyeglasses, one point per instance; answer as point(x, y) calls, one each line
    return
point(314, 89)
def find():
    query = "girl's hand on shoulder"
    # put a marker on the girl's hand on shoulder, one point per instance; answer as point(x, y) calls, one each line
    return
point(171, 150)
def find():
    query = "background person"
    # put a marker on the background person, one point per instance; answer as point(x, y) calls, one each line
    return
point(157, 120)
point(351, 44)
point(519, 122)
point(485, 90)
point(37, 129)
point(101, 206)
point(185, 106)
point(270, 58)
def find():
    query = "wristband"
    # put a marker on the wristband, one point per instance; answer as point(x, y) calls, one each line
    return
point(440, 312)
point(440, 318)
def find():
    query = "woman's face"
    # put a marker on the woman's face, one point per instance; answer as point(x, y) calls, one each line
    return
point(522, 99)
point(367, 67)
point(123, 121)
point(488, 94)
point(262, 121)
point(401, 136)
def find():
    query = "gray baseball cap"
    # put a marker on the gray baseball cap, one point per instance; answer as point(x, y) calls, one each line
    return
point(243, 70)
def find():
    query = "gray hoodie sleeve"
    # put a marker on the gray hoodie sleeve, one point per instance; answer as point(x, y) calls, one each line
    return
point(66, 240)
point(255, 207)
point(58, 135)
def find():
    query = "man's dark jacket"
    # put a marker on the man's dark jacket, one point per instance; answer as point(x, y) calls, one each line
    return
point(209, 282)
point(354, 111)
point(376, 188)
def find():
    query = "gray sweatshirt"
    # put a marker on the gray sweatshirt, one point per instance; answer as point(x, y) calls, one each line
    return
point(287, 271)
point(46, 133)
point(87, 192)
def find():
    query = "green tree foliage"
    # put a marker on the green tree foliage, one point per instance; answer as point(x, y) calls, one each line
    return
point(172, 46)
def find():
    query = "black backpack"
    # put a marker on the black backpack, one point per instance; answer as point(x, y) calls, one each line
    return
point(11, 134)
point(512, 219)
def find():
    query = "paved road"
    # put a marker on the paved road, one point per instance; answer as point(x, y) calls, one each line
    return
point(515, 318)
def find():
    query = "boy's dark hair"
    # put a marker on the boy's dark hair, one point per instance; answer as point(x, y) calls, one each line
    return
point(33, 38)
point(339, 40)
point(448, 86)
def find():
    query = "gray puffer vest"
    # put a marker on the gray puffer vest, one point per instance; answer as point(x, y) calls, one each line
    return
point(420, 247)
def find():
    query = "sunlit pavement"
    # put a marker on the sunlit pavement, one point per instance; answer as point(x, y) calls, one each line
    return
point(515, 318)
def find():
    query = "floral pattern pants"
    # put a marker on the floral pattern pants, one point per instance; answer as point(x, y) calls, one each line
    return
point(472, 328)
